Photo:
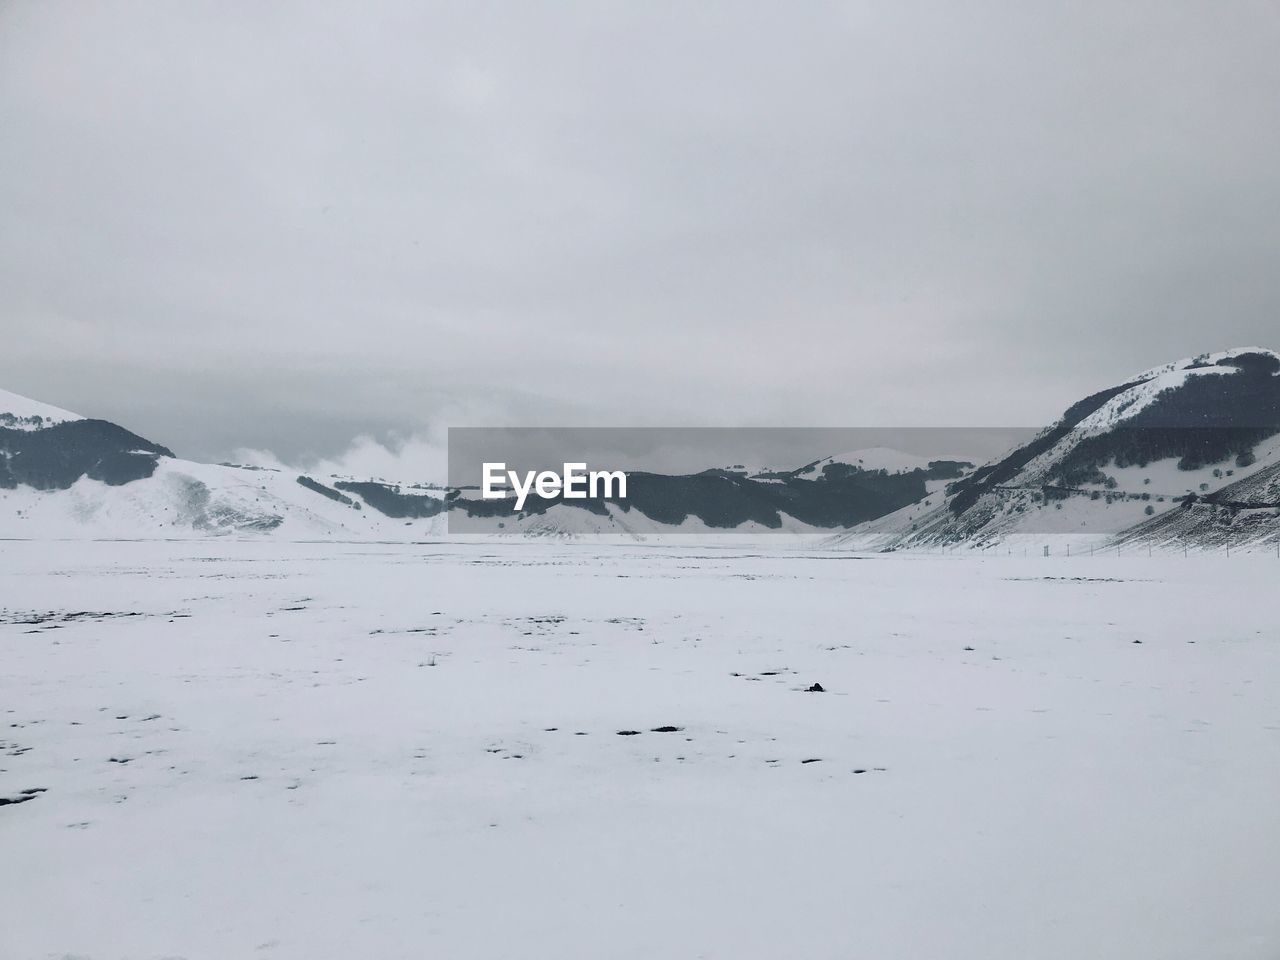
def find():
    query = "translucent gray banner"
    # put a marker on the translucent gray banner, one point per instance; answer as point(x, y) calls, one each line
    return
point(892, 486)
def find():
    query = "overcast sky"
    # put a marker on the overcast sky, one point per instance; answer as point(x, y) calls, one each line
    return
point(283, 226)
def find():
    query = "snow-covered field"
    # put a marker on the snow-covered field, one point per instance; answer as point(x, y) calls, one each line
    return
point(379, 751)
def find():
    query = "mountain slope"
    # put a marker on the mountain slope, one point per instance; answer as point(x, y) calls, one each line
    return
point(67, 476)
point(1187, 451)
point(63, 475)
point(1242, 514)
point(839, 496)
point(181, 498)
point(1114, 459)
point(22, 413)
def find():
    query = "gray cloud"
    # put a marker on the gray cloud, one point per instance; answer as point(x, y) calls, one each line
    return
point(284, 225)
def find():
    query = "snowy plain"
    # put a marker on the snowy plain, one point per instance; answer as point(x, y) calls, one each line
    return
point(328, 750)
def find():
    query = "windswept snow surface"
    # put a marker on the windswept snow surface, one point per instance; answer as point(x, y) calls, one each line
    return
point(312, 751)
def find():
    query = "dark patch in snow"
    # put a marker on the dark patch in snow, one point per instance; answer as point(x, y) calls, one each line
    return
point(389, 501)
point(329, 492)
point(58, 616)
point(22, 796)
point(56, 457)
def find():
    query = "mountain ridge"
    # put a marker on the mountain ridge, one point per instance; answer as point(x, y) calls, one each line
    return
point(1199, 435)
point(1198, 424)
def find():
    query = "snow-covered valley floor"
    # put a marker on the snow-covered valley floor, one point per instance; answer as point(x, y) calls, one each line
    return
point(316, 751)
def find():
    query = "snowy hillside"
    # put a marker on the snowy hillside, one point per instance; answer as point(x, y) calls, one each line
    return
point(67, 476)
point(1171, 435)
point(1243, 514)
point(1180, 437)
point(187, 499)
point(63, 475)
point(20, 413)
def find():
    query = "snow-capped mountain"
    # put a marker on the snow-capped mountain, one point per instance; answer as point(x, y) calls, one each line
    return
point(1172, 437)
point(66, 475)
point(1186, 451)
point(20, 413)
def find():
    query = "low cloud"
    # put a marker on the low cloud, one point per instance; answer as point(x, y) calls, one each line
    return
point(421, 458)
